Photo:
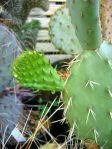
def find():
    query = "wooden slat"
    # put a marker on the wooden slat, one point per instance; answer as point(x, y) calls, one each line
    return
point(57, 0)
point(46, 47)
point(43, 36)
point(52, 9)
point(57, 57)
point(38, 12)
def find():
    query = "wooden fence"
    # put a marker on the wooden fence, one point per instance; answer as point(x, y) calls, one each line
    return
point(43, 41)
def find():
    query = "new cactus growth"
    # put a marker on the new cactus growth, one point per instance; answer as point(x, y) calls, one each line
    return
point(88, 91)
point(9, 49)
point(62, 32)
point(85, 19)
point(31, 69)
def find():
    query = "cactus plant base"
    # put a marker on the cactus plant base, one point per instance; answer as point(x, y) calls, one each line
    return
point(88, 98)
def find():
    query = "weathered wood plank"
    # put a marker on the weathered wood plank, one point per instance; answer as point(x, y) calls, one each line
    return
point(52, 9)
point(39, 12)
point(58, 57)
point(57, 0)
point(46, 47)
point(43, 36)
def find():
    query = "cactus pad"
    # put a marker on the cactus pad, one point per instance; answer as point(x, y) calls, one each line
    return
point(62, 32)
point(88, 98)
point(85, 19)
point(9, 48)
point(10, 111)
point(31, 69)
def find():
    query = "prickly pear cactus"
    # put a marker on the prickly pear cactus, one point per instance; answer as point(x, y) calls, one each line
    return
point(88, 90)
point(31, 69)
point(62, 32)
point(85, 19)
point(10, 111)
point(9, 49)
point(87, 98)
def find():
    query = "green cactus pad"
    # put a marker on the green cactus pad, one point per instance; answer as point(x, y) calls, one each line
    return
point(9, 49)
point(31, 69)
point(62, 32)
point(88, 98)
point(85, 19)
